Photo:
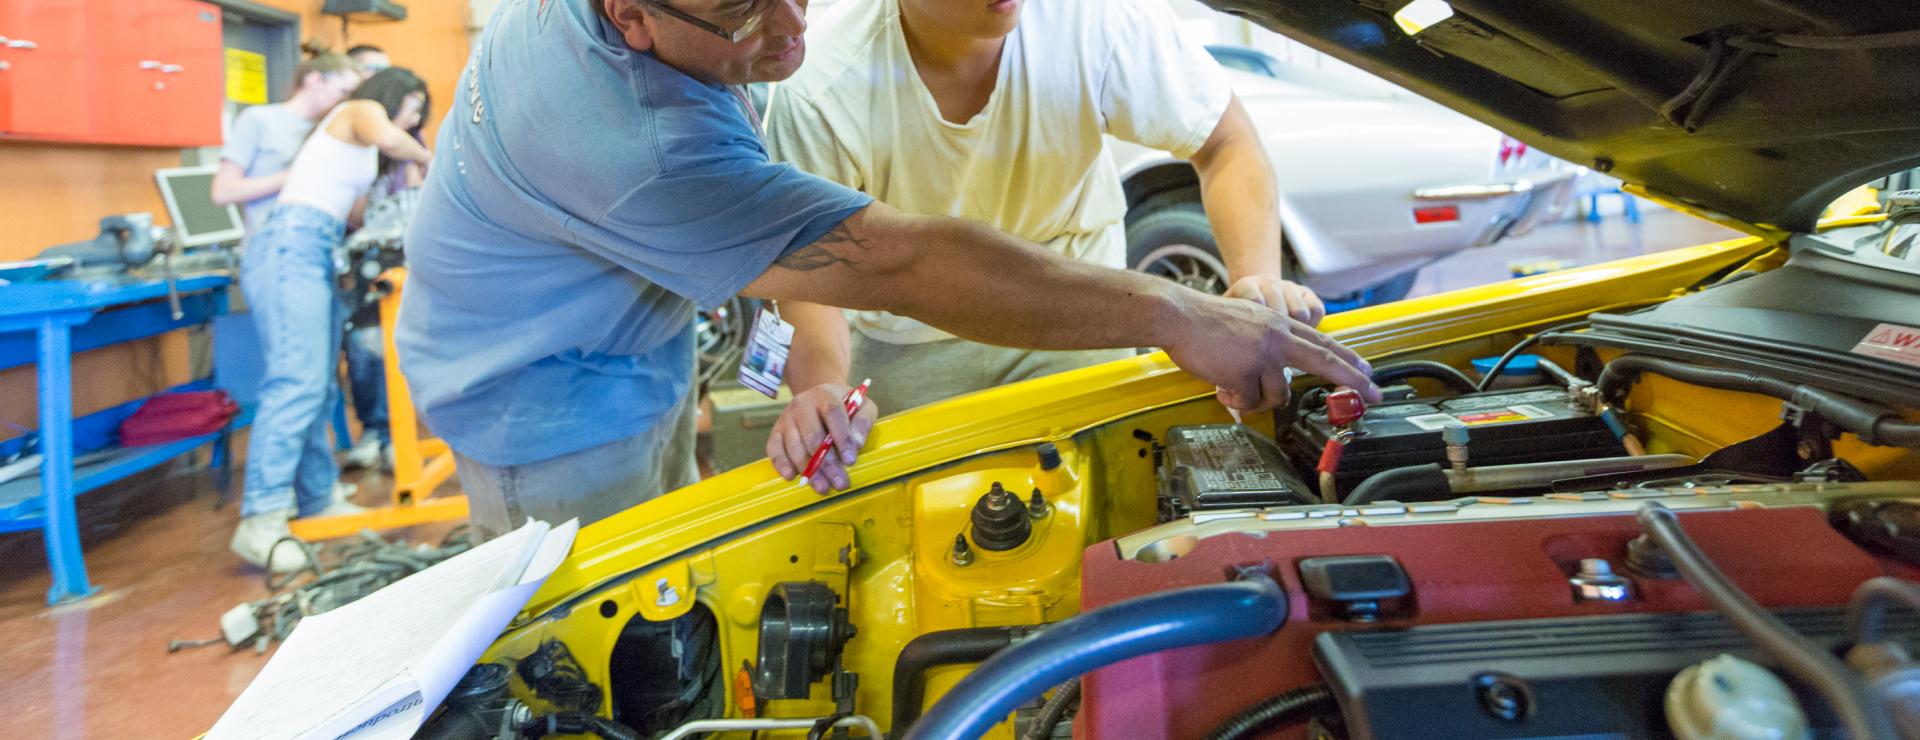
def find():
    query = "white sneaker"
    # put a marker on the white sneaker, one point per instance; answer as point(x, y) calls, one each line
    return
point(264, 537)
point(364, 453)
point(342, 504)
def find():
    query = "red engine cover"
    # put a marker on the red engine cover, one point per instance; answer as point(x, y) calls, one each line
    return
point(1461, 572)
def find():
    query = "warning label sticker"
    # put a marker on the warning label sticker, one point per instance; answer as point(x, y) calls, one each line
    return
point(1431, 422)
point(1892, 342)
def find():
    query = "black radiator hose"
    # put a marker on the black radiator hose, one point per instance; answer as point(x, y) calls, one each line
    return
point(1278, 711)
point(1399, 483)
point(934, 649)
point(1446, 375)
point(1873, 424)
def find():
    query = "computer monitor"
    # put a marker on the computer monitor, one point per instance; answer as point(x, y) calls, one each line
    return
point(197, 220)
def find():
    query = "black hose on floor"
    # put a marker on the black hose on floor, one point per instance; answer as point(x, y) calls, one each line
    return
point(1280, 710)
point(1862, 713)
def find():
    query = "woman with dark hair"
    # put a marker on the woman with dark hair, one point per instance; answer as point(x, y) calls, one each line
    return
point(264, 138)
point(288, 276)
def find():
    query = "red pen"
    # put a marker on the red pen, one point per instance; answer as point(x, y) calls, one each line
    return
point(855, 399)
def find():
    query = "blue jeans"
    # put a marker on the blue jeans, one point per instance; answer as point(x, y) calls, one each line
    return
point(287, 275)
point(367, 375)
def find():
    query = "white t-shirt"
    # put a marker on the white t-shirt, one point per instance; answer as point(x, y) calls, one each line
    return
point(1032, 162)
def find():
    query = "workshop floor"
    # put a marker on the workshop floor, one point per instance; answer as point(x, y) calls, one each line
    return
point(157, 548)
point(1576, 242)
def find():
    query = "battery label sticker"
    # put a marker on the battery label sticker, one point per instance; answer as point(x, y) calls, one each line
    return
point(1892, 342)
point(1432, 422)
point(1502, 416)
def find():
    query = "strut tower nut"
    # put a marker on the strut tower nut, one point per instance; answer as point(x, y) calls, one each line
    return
point(962, 555)
point(1000, 521)
point(1037, 506)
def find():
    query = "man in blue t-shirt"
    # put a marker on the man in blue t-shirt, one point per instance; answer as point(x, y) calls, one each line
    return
point(602, 173)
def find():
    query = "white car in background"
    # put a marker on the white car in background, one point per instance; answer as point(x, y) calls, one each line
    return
point(1375, 183)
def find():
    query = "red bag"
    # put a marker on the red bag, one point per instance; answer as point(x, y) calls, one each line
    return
point(171, 417)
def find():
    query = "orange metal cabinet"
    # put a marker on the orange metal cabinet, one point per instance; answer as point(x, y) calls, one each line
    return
point(158, 73)
point(45, 65)
point(194, 72)
point(147, 73)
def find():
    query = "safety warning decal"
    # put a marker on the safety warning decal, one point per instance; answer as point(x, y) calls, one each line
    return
point(1431, 422)
point(1892, 342)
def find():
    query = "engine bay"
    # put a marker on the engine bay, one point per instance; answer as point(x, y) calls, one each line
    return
point(1581, 528)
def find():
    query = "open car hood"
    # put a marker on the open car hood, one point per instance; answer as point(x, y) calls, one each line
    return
point(1762, 110)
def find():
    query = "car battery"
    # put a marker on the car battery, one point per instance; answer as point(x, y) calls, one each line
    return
point(1223, 466)
point(1507, 427)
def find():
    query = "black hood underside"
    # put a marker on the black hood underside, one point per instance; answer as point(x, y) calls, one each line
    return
point(1763, 110)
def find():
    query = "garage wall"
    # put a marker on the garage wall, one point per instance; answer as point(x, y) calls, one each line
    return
point(55, 193)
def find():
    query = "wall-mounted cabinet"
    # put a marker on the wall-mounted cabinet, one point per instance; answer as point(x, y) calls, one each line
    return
point(147, 73)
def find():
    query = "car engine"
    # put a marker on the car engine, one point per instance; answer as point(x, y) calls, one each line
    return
point(1502, 557)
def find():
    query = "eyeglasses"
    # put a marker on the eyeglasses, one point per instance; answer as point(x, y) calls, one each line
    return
point(756, 13)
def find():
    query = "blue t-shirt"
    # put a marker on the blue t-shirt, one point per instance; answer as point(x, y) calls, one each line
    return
point(263, 141)
point(583, 199)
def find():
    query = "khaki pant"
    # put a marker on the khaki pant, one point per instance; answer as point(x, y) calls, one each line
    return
point(906, 376)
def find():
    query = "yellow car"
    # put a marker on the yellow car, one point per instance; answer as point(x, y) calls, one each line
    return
point(1650, 519)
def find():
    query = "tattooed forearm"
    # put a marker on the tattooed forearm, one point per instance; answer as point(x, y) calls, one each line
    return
point(811, 257)
point(825, 252)
point(841, 234)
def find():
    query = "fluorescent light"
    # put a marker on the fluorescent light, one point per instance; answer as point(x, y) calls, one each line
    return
point(1420, 15)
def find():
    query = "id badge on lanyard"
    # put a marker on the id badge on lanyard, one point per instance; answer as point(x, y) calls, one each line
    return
point(763, 366)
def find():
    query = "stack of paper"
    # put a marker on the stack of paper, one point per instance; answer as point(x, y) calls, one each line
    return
point(378, 667)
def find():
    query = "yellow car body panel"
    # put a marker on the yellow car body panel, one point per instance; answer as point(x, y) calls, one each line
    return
point(1056, 407)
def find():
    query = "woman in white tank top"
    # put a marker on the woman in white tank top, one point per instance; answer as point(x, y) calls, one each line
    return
point(287, 274)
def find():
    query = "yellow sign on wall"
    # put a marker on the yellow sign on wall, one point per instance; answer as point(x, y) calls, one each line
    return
point(246, 77)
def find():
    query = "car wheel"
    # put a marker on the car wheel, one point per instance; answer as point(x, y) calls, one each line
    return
point(1170, 237)
point(720, 335)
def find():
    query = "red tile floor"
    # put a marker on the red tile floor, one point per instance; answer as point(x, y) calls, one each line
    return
point(157, 548)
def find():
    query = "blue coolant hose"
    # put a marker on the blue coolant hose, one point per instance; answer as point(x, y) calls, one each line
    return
point(1195, 615)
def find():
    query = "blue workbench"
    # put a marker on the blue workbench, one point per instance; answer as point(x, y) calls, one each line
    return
point(44, 323)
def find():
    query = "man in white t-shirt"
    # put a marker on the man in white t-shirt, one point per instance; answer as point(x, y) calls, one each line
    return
point(995, 113)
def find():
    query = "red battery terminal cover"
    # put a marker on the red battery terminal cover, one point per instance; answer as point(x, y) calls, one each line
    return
point(1345, 406)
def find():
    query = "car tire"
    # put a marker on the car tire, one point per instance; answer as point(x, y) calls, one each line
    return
point(720, 337)
point(1168, 235)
